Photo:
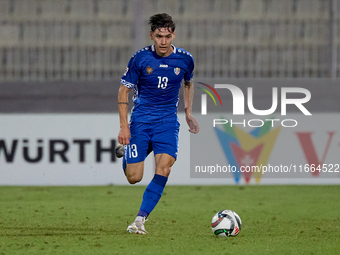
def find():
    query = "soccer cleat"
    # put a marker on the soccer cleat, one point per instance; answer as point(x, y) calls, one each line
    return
point(119, 150)
point(137, 227)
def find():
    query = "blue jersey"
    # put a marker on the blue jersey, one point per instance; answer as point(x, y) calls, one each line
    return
point(156, 82)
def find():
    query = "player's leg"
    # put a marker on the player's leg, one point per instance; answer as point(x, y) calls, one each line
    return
point(163, 162)
point(135, 152)
point(154, 190)
point(133, 164)
point(165, 146)
point(134, 172)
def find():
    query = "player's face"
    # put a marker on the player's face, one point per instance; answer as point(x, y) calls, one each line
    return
point(162, 39)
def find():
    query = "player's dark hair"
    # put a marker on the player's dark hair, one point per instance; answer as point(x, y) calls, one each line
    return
point(162, 20)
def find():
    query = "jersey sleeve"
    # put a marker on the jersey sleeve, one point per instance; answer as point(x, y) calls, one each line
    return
point(188, 76)
point(131, 75)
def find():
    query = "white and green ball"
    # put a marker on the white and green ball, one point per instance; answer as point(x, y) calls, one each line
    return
point(226, 223)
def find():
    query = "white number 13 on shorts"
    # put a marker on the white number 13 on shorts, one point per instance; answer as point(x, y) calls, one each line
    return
point(133, 151)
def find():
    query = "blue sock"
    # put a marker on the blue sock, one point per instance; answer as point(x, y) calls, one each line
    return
point(152, 194)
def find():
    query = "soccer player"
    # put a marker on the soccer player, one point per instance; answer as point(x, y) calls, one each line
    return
point(155, 73)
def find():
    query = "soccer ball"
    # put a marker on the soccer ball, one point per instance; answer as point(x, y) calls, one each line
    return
point(226, 223)
point(119, 150)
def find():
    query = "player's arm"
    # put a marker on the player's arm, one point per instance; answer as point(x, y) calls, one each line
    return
point(188, 95)
point(123, 107)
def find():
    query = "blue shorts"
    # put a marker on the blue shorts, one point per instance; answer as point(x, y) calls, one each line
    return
point(160, 137)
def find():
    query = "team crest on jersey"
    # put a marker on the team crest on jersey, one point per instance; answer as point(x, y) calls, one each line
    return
point(177, 70)
point(149, 70)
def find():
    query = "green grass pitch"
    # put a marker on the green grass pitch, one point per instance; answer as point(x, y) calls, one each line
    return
point(93, 220)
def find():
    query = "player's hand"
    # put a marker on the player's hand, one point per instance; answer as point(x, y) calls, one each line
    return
point(124, 135)
point(192, 123)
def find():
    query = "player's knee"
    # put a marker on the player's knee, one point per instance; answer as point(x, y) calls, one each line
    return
point(165, 171)
point(134, 178)
point(134, 173)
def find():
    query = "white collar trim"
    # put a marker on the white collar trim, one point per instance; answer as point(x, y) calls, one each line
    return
point(173, 46)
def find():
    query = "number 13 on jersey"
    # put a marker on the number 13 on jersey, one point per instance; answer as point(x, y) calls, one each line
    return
point(162, 82)
point(132, 150)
